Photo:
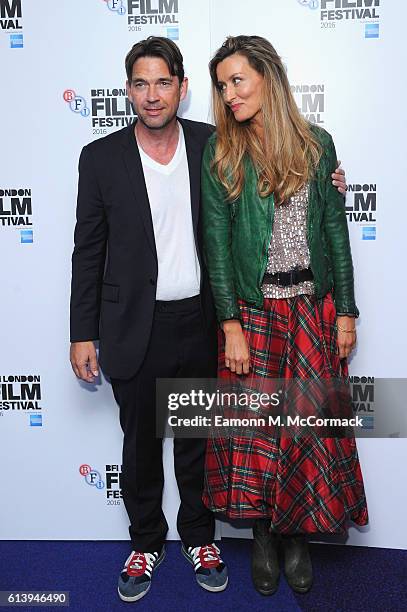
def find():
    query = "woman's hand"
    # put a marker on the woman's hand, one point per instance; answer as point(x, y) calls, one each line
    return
point(346, 335)
point(237, 356)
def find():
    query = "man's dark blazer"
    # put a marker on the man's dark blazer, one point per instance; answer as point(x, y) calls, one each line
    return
point(114, 262)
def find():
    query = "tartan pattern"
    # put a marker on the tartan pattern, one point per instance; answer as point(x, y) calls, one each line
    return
point(303, 484)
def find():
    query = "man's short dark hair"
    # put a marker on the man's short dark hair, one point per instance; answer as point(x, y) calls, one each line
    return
point(156, 46)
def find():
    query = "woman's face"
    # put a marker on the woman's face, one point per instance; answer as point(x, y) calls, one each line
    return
point(241, 87)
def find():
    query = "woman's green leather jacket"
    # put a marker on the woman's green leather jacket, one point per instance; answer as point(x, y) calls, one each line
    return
point(237, 235)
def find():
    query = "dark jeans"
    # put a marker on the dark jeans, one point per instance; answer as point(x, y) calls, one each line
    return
point(179, 347)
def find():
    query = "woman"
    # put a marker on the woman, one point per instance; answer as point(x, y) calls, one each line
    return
point(279, 261)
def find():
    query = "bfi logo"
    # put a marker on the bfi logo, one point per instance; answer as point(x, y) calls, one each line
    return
point(76, 103)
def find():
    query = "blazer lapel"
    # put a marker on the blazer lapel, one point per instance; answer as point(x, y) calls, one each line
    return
point(132, 163)
point(194, 154)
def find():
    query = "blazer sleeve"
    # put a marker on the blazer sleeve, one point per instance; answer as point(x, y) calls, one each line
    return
point(217, 234)
point(88, 258)
point(337, 235)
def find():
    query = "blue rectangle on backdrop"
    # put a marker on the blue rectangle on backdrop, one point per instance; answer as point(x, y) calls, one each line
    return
point(16, 41)
point(26, 236)
point(173, 33)
point(36, 420)
point(367, 422)
point(371, 30)
point(369, 233)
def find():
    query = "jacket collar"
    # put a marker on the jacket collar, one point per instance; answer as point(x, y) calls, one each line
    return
point(132, 163)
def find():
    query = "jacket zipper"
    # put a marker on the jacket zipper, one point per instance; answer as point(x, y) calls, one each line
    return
point(309, 219)
point(264, 266)
point(312, 188)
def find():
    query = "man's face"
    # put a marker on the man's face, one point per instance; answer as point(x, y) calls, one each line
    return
point(154, 92)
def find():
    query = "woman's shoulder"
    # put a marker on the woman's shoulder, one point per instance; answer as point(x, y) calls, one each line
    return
point(321, 134)
point(209, 149)
point(211, 142)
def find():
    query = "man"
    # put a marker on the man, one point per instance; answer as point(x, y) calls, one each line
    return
point(139, 285)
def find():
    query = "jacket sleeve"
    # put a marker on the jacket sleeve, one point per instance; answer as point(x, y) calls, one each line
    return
point(217, 234)
point(337, 235)
point(88, 258)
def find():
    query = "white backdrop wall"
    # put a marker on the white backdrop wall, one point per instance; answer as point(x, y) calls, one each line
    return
point(62, 72)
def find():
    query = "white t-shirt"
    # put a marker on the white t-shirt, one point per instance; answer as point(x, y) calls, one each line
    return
point(169, 195)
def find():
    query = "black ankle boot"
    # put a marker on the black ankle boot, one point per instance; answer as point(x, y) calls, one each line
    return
point(265, 566)
point(297, 563)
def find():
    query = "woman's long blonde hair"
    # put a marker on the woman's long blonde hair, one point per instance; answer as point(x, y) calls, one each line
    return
point(288, 153)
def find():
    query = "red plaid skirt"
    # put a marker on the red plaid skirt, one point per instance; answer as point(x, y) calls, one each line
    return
point(304, 484)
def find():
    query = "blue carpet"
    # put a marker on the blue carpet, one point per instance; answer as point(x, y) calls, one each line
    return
point(347, 579)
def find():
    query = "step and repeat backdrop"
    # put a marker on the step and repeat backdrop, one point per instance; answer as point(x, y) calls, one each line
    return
point(63, 85)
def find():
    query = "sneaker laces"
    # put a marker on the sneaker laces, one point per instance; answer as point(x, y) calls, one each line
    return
point(140, 563)
point(205, 556)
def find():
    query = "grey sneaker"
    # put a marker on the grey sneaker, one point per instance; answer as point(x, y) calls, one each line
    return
point(135, 579)
point(210, 571)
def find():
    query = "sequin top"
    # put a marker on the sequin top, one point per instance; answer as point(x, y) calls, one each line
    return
point(288, 249)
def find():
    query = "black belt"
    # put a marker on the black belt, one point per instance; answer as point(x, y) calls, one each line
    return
point(286, 279)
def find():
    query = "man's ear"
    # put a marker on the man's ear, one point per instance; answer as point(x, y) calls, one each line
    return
point(184, 88)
